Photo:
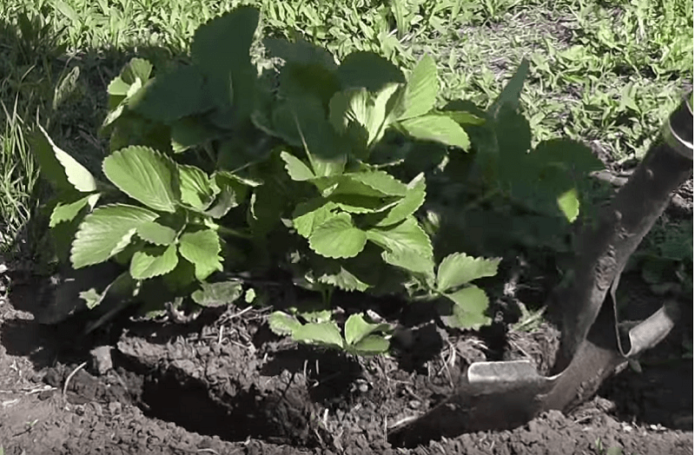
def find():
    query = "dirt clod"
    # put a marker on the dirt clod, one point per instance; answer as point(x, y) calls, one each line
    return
point(171, 389)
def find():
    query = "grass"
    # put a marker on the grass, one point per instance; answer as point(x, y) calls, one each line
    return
point(606, 72)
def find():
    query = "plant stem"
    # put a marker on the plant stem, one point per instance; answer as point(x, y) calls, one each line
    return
point(489, 194)
point(233, 232)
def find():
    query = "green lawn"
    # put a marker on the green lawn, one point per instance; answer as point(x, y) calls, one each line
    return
point(604, 72)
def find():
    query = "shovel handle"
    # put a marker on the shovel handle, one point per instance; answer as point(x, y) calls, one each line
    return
point(604, 249)
point(678, 130)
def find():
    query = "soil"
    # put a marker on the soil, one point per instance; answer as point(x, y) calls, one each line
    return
point(225, 384)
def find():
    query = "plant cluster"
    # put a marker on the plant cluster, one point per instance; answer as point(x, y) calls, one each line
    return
point(342, 175)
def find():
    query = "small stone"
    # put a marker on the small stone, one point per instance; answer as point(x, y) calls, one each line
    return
point(555, 416)
point(101, 359)
point(114, 407)
point(534, 427)
point(610, 423)
point(414, 404)
point(98, 410)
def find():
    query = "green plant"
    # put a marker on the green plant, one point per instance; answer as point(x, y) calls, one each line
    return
point(320, 170)
point(665, 261)
point(361, 336)
point(19, 174)
point(601, 450)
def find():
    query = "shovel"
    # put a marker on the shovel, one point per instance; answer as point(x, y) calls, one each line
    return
point(505, 395)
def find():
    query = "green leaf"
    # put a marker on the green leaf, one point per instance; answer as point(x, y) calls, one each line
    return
point(91, 298)
point(421, 90)
point(105, 232)
point(370, 345)
point(368, 70)
point(156, 233)
point(337, 237)
point(137, 68)
point(414, 198)
point(370, 183)
point(302, 81)
point(145, 175)
point(511, 92)
point(464, 117)
point(458, 269)
point(123, 287)
point(171, 96)
point(118, 90)
point(361, 107)
point(470, 304)
point(572, 156)
point(217, 294)
point(321, 142)
point(439, 128)
point(267, 208)
point(66, 87)
point(202, 248)
point(61, 169)
point(342, 279)
point(308, 215)
point(153, 261)
point(355, 203)
point(234, 191)
point(411, 261)
point(308, 70)
point(357, 329)
point(67, 211)
point(325, 334)
point(568, 202)
point(226, 200)
point(181, 278)
point(297, 170)
point(313, 310)
point(513, 134)
point(68, 12)
point(131, 129)
point(404, 238)
point(196, 188)
point(231, 78)
point(190, 132)
point(235, 28)
point(299, 51)
point(282, 323)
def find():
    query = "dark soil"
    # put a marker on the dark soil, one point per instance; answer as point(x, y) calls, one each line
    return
point(225, 385)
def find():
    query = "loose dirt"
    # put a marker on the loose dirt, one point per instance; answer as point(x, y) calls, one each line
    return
point(226, 385)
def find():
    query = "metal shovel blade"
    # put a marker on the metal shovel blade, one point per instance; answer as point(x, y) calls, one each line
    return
point(503, 395)
point(506, 395)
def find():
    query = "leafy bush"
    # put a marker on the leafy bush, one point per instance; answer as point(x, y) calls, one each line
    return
point(321, 169)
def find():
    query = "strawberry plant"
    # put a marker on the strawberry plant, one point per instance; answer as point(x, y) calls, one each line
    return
point(320, 169)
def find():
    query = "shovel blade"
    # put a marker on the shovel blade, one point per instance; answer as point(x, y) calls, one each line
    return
point(492, 395)
point(506, 395)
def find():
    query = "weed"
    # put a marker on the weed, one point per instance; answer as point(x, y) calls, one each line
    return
point(18, 178)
